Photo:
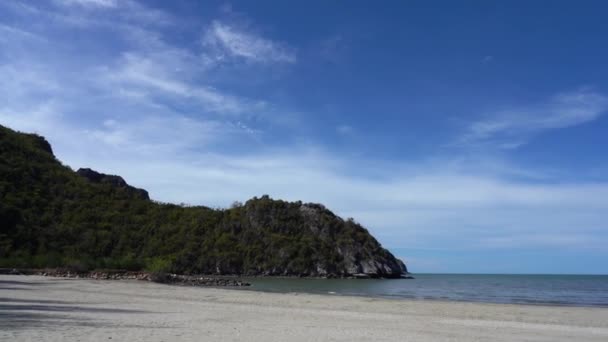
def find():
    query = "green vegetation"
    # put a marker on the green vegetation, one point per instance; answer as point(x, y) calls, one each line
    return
point(51, 216)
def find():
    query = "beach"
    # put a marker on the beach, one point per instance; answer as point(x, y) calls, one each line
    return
point(35, 308)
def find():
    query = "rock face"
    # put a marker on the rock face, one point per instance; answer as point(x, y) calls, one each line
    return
point(372, 265)
point(368, 259)
point(360, 260)
point(117, 181)
point(332, 246)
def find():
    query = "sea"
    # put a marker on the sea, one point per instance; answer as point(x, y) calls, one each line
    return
point(567, 290)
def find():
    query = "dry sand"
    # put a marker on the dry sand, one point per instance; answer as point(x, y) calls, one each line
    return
point(53, 309)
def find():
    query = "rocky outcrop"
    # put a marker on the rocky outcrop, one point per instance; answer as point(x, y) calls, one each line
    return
point(116, 181)
point(195, 280)
point(369, 260)
point(53, 216)
point(372, 265)
point(314, 242)
point(164, 278)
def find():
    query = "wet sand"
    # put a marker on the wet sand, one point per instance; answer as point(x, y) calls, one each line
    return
point(36, 308)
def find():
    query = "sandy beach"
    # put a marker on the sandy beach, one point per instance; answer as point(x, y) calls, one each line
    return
point(36, 308)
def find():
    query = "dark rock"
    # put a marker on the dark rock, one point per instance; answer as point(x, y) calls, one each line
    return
point(361, 276)
point(193, 280)
point(10, 271)
point(157, 277)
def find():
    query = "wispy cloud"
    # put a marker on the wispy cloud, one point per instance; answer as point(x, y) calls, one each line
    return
point(229, 41)
point(13, 33)
point(169, 133)
point(150, 93)
point(90, 14)
point(89, 3)
point(514, 127)
point(150, 75)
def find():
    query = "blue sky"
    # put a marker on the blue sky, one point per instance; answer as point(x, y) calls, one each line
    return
point(467, 138)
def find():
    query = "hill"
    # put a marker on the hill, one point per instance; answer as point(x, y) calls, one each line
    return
point(51, 216)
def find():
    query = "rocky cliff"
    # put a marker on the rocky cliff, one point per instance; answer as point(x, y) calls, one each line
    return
point(51, 216)
point(301, 239)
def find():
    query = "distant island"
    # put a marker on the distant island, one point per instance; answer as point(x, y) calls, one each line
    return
point(51, 216)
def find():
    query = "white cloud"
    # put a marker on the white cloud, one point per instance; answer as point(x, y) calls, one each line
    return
point(90, 3)
point(40, 119)
point(227, 40)
point(514, 127)
point(149, 73)
point(11, 33)
point(137, 12)
point(21, 79)
point(170, 133)
point(149, 68)
point(88, 14)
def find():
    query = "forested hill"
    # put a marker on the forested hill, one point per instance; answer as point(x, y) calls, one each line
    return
point(51, 216)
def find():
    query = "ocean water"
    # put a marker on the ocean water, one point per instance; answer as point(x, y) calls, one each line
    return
point(570, 290)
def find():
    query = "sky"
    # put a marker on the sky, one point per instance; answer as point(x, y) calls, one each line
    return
point(468, 138)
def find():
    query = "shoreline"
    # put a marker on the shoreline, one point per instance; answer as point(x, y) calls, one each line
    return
point(247, 283)
point(251, 289)
point(417, 299)
point(146, 274)
point(37, 308)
